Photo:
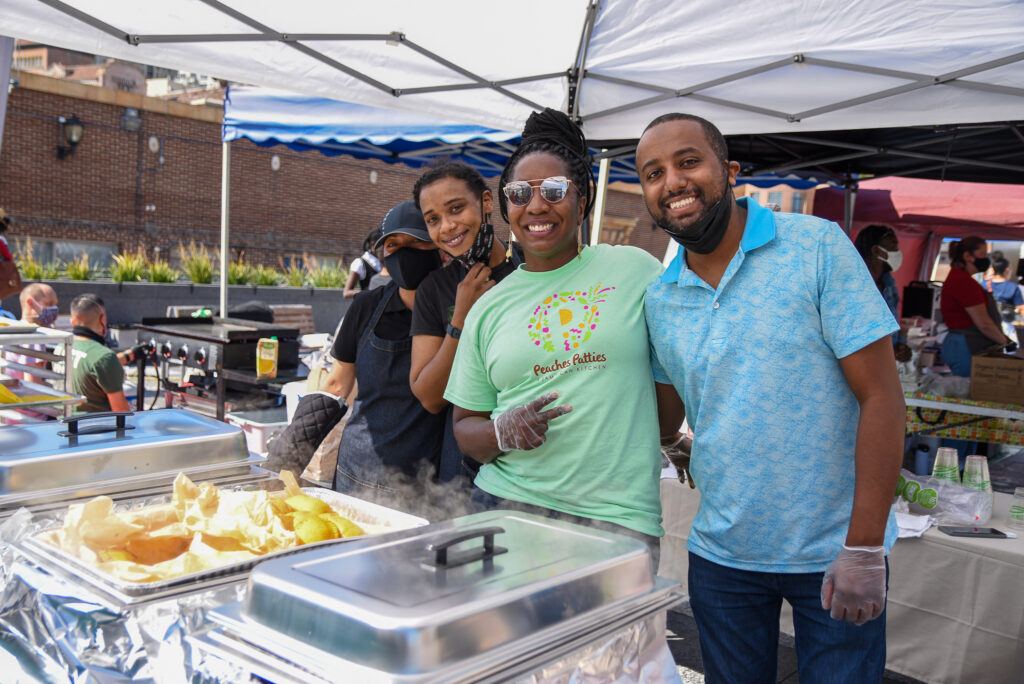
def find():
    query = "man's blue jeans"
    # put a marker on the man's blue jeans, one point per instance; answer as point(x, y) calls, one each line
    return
point(737, 615)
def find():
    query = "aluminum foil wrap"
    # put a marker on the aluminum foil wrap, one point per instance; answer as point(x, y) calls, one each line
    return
point(55, 630)
point(638, 653)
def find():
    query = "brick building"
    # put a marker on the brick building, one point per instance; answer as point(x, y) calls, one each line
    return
point(154, 187)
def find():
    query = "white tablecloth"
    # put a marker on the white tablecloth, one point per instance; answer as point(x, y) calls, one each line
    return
point(956, 605)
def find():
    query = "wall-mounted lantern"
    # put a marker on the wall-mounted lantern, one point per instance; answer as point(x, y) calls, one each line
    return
point(71, 132)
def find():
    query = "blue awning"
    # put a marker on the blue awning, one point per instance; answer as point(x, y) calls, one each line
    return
point(303, 123)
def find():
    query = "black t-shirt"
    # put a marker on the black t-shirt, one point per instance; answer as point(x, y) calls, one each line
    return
point(393, 324)
point(435, 297)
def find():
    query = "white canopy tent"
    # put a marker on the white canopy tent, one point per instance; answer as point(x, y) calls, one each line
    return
point(751, 67)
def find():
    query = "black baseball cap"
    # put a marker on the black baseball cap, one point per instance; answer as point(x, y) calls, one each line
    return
point(403, 218)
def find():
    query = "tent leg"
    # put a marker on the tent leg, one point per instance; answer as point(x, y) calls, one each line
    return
point(225, 215)
point(599, 201)
point(849, 199)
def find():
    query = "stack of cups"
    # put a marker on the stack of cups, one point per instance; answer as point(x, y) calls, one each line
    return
point(947, 465)
point(976, 474)
point(1016, 517)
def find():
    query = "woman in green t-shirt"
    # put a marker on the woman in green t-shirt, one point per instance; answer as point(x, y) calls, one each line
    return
point(568, 324)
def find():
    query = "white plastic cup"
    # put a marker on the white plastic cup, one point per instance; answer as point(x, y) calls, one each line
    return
point(947, 465)
point(1015, 518)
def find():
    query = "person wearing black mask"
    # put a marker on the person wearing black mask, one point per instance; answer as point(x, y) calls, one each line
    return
point(456, 206)
point(968, 310)
point(390, 440)
point(771, 332)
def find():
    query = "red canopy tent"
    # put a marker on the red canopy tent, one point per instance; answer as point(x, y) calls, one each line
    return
point(923, 212)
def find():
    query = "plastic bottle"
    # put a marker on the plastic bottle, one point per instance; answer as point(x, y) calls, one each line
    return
point(922, 466)
point(266, 357)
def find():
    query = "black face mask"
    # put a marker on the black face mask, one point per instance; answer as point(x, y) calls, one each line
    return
point(88, 333)
point(481, 249)
point(704, 236)
point(982, 264)
point(408, 266)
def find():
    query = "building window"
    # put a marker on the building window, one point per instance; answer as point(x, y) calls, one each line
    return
point(28, 62)
point(775, 201)
point(798, 203)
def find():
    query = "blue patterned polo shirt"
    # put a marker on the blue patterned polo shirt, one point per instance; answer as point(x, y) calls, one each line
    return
point(757, 364)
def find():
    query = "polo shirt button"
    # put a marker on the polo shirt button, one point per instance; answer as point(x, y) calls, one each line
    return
point(716, 304)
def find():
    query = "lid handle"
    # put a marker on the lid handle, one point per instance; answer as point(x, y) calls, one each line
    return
point(74, 429)
point(444, 559)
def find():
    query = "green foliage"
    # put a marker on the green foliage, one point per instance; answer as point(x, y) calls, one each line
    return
point(327, 276)
point(161, 272)
point(262, 275)
point(197, 263)
point(128, 268)
point(51, 271)
point(79, 269)
point(239, 273)
point(295, 276)
point(29, 268)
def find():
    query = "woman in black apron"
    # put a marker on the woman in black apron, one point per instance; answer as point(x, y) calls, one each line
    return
point(391, 444)
point(456, 206)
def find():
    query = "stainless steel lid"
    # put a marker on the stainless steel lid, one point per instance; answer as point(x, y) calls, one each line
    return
point(424, 600)
point(62, 454)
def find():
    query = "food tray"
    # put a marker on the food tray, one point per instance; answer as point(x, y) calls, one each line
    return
point(375, 519)
point(12, 327)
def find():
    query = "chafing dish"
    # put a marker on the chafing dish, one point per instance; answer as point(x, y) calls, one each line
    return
point(118, 594)
point(420, 606)
point(71, 617)
point(82, 456)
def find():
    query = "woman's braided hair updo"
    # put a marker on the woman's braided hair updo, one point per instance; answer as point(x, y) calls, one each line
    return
point(554, 132)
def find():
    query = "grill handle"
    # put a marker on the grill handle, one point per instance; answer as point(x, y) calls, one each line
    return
point(444, 559)
point(74, 430)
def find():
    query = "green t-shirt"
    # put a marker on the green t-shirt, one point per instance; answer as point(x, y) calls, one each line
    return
point(95, 373)
point(580, 330)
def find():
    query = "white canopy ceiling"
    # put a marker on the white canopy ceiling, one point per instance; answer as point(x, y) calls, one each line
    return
point(750, 66)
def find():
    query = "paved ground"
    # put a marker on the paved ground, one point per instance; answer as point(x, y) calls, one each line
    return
point(682, 641)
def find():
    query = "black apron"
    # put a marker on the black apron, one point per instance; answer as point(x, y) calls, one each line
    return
point(390, 439)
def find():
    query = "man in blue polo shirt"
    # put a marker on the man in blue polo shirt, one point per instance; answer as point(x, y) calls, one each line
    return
point(769, 328)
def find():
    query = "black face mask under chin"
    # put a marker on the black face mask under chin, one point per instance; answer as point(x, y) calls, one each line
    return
point(704, 236)
point(481, 249)
point(409, 266)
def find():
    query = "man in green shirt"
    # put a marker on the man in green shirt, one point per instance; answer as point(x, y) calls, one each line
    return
point(96, 370)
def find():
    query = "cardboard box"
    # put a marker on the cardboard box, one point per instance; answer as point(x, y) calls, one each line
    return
point(997, 377)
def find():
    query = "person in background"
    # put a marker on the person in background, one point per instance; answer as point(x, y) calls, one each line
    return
point(5, 249)
point(96, 371)
point(364, 267)
point(769, 328)
point(567, 325)
point(390, 440)
point(39, 308)
point(456, 206)
point(967, 308)
point(880, 249)
point(1007, 294)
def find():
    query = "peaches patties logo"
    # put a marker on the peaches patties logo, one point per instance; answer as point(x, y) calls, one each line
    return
point(564, 321)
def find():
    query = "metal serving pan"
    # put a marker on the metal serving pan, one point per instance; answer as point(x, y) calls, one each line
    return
point(119, 593)
point(70, 453)
point(420, 606)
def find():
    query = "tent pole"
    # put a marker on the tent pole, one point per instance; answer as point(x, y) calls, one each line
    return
point(849, 198)
point(225, 214)
point(599, 200)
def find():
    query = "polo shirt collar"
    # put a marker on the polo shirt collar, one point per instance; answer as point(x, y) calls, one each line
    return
point(758, 231)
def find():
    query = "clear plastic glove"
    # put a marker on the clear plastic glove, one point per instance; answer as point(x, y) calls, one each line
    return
point(525, 427)
point(853, 589)
point(678, 454)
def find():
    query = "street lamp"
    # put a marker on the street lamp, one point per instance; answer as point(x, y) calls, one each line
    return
point(71, 132)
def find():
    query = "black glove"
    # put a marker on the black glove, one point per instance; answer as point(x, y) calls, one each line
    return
point(139, 351)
